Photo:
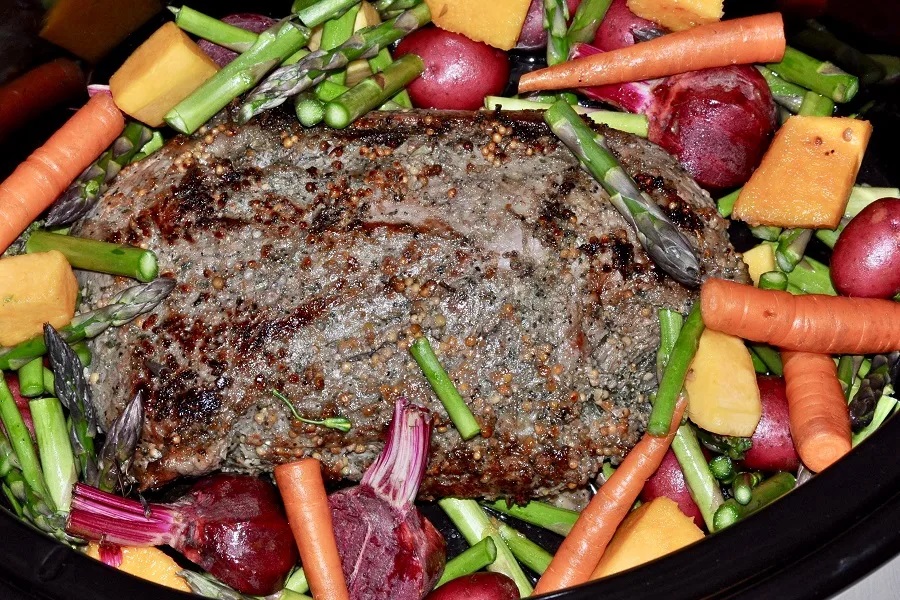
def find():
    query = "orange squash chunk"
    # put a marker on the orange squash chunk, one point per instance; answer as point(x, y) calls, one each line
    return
point(496, 23)
point(807, 174)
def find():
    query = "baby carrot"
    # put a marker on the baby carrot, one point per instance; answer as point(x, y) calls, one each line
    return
point(741, 41)
point(819, 418)
point(41, 88)
point(37, 182)
point(306, 503)
point(581, 550)
point(809, 323)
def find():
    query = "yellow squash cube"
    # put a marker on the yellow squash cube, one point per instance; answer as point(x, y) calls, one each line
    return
point(651, 530)
point(162, 72)
point(807, 174)
point(678, 14)
point(721, 386)
point(35, 289)
point(760, 259)
point(497, 23)
point(147, 563)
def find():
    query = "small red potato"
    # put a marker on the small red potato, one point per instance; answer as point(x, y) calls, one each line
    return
point(459, 72)
point(619, 25)
point(669, 481)
point(866, 258)
point(773, 449)
point(477, 586)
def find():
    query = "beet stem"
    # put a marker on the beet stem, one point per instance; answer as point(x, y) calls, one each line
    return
point(98, 515)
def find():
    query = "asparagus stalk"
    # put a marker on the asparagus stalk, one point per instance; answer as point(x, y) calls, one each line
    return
point(663, 242)
point(94, 255)
point(124, 307)
point(117, 453)
point(552, 518)
point(670, 324)
point(290, 80)
point(309, 109)
point(816, 105)
point(373, 91)
point(725, 204)
point(885, 369)
point(821, 77)
point(526, 552)
point(769, 490)
point(22, 447)
point(379, 63)
point(156, 142)
point(212, 29)
point(767, 233)
point(810, 277)
point(470, 560)
point(770, 357)
point(297, 581)
point(742, 488)
point(31, 378)
point(81, 196)
point(774, 280)
point(786, 94)
point(817, 39)
point(790, 248)
point(335, 32)
point(55, 450)
point(443, 387)
point(758, 365)
point(556, 22)
point(587, 20)
point(474, 525)
point(271, 47)
point(316, 12)
point(722, 468)
point(391, 8)
point(623, 121)
point(847, 368)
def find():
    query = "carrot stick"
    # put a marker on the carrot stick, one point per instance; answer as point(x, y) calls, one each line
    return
point(41, 88)
point(44, 175)
point(581, 550)
point(309, 516)
point(809, 323)
point(819, 417)
point(735, 42)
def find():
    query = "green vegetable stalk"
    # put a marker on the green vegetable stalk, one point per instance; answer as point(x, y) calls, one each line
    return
point(94, 255)
point(774, 280)
point(725, 204)
point(372, 92)
point(526, 552)
point(622, 121)
point(786, 94)
point(22, 446)
point(819, 76)
point(766, 492)
point(541, 514)
point(117, 453)
point(55, 450)
point(587, 19)
point(316, 12)
point(212, 29)
point(443, 387)
point(31, 378)
point(556, 23)
point(469, 561)
point(770, 357)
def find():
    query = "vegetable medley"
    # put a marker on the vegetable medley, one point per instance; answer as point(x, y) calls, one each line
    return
point(758, 385)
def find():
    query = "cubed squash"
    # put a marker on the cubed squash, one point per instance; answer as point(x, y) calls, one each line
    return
point(721, 386)
point(650, 531)
point(760, 259)
point(162, 72)
point(678, 14)
point(147, 563)
point(35, 289)
point(497, 23)
point(91, 28)
point(807, 174)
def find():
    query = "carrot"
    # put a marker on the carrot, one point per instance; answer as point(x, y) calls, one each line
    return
point(581, 550)
point(809, 323)
point(738, 41)
point(44, 175)
point(309, 516)
point(39, 89)
point(817, 408)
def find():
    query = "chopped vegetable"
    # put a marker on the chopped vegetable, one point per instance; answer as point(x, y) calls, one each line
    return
point(117, 453)
point(821, 77)
point(470, 560)
point(94, 255)
point(759, 260)
point(496, 23)
point(373, 91)
point(526, 552)
point(556, 22)
point(678, 14)
point(31, 378)
point(55, 451)
point(443, 387)
point(810, 323)
point(673, 377)
point(309, 515)
point(30, 95)
point(35, 289)
point(316, 12)
point(738, 41)
point(213, 30)
point(147, 563)
point(623, 121)
point(820, 421)
point(38, 181)
point(552, 518)
point(766, 492)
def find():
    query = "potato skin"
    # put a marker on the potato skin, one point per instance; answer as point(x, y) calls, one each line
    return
point(477, 586)
point(773, 448)
point(459, 72)
point(669, 481)
point(866, 258)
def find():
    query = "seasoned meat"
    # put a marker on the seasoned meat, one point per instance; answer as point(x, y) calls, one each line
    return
point(308, 260)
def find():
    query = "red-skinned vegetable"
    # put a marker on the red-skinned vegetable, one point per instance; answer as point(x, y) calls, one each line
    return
point(669, 481)
point(459, 72)
point(620, 28)
point(772, 449)
point(231, 525)
point(866, 257)
point(21, 402)
point(477, 586)
point(249, 21)
point(533, 34)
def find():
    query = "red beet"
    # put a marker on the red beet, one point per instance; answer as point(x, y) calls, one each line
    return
point(621, 27)
point(388, 549)
point(231, 525)
point(773, 449)
point(669, 481)
point(477, 586)
point(249, 21)
point(533, 34)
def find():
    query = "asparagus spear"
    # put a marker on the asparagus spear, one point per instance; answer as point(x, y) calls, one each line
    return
point(94, 255)
point(821, 77)
point(663, 242)
point(526, 551)
point(814, 104)
point(117, 452)
point(468, 561)
point(587, 20)
point(769, 490)
point(774, 280)
point(271, 47)
point(791, 246)
point(55, 450)
point(379, 63)
point(292, 79)
point(623, 121)
point(389, 9)
point(21, 446)
point(556, 22)
point(31, 378)
point(373, 91)
point(817, 39)
point(786, 94)
point(316, 12)
point(885, 370)
point(124, 307)
point(212, 29)
point(82, 195)
point(551, 518)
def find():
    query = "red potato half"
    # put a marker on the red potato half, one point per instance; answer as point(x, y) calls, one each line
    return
point(669, 481)
point(458, 73)
point(619, 27)
point(772, 449)
point(866, 257)
point(477, 586)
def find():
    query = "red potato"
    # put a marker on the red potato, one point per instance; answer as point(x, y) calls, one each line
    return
point(866, 258)
point(477, 586)
point(249, 21)
point(619, 27)
point(669, 481)
point(772, 449)
point(459, 72)
point(533, 35)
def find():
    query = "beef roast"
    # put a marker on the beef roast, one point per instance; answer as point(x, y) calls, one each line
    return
point(307, 260)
